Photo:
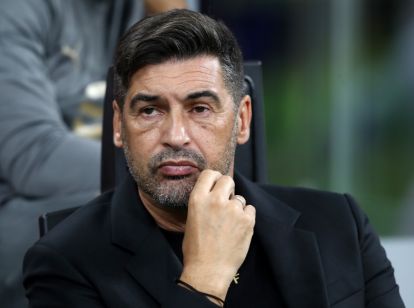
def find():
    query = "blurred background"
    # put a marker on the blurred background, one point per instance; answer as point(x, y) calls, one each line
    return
point(339, 89)
point(338, 84)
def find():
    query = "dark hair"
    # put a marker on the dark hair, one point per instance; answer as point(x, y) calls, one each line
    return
point(178, 34)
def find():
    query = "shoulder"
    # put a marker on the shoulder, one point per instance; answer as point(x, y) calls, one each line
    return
point(304, 199)
point(335, 210)
point(290, 193)
point(72, 245)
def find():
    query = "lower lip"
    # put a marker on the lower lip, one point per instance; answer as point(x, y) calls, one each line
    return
point(169, 170)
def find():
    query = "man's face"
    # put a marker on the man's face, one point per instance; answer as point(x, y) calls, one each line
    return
point(179, 119)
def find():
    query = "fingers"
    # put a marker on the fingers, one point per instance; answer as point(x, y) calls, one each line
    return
point(240, 199)
point(211, 181)
point(224, 187)
point(250, 210)
point(212, 185)
point(206, 181)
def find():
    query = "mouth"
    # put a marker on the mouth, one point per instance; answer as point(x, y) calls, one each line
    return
point(177, 169)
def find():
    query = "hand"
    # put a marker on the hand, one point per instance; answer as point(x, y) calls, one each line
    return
point(218, 233)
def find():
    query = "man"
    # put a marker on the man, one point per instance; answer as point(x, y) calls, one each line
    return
point(180, 232)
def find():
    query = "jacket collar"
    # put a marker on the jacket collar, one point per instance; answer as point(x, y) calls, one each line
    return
point(293, 253)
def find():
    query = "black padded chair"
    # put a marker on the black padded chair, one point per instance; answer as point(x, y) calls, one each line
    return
point(250, 157)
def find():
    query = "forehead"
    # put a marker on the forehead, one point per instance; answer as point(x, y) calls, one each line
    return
point(179, 76)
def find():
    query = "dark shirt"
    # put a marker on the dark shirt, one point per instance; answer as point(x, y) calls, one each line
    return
point(255, 287)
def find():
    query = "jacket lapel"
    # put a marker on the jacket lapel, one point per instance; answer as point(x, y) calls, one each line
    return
point(153, 264)
point(134, 229)
point(293, 253)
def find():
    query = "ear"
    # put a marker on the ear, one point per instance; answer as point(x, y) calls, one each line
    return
point(244, 118)
point(117, 125)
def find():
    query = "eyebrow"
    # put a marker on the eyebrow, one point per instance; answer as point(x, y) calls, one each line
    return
point(140, 97)
point(205, 93)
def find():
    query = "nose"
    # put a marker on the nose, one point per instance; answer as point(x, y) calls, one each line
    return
point(175, 132)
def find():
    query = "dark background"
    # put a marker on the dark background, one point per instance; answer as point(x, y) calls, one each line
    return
point(339, 89)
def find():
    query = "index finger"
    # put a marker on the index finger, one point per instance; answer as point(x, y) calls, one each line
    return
point(206, 181)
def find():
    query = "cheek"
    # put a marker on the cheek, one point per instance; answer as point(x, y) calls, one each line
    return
point(142, 144)
point(212, 140)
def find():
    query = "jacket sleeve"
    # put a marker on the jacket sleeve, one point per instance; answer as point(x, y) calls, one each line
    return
point(51, 280)
point(39, 155)
point(381, 290)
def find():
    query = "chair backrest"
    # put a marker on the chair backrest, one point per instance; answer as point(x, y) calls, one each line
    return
point(48, 220)
point(250, 157)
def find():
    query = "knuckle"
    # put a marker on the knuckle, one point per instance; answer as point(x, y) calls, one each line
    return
point(245, 220)
point(251, 208)
point(216, 200)
point(213, 172)
point(227, 178)
point(251, 212)
point(217, 172)
point(235, 208)
point(206, 172)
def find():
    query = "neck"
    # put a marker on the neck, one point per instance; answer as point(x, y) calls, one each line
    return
point(170, 219)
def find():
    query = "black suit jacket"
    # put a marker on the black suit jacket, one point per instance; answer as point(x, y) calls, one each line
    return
point(110, 253)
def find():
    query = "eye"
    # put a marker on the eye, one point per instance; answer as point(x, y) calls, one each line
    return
point(149, 111)
point(200, 109)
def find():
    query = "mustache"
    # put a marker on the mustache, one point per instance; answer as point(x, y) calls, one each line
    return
point(177, 154)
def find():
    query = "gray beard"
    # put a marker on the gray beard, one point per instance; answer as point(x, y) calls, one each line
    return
point(174, 192)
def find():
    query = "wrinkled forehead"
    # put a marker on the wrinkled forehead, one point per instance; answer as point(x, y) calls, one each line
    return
point(179, 75)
